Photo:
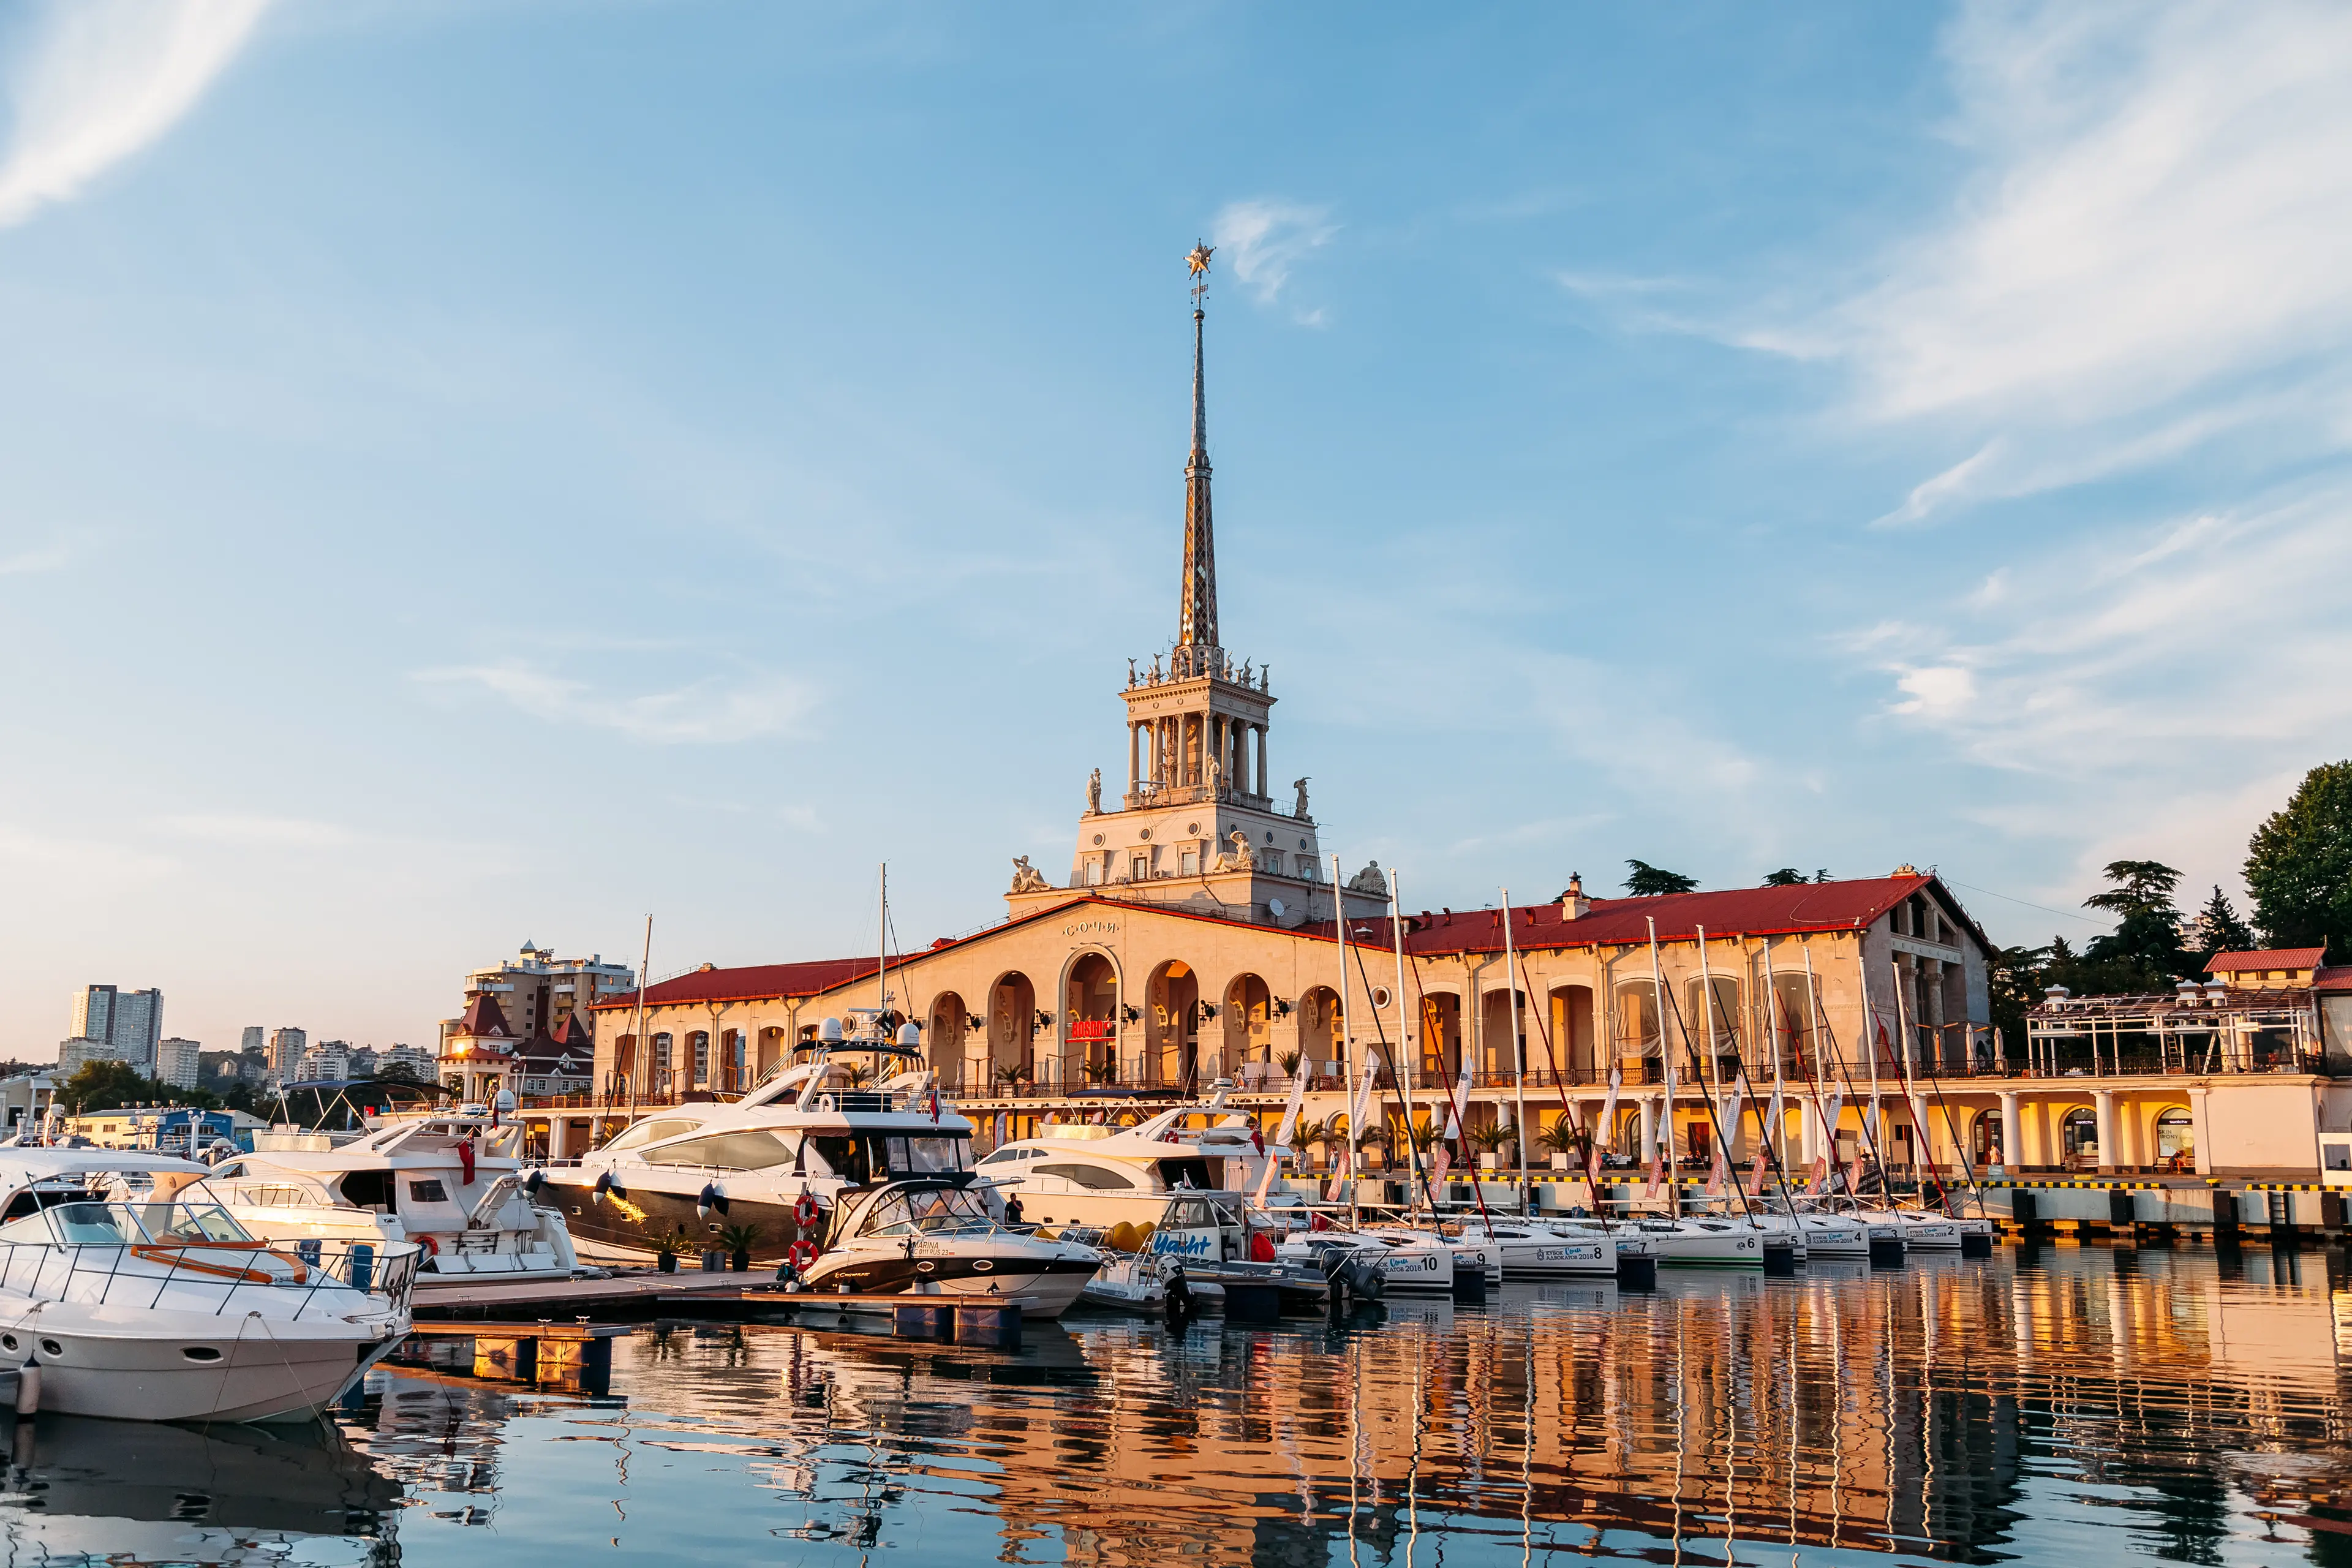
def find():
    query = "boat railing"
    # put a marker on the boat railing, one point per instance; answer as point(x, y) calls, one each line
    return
point(140, 1267)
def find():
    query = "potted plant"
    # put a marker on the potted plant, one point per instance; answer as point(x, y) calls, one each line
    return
point(1013, 1077)
point(1563, 1142)
point(738, 1239)
point(1290, 1061)
point(1488, 1138)
point(667, 1247)
point(1312, 1135)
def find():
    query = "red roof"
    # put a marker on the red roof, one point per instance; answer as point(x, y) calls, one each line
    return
point(1733, 913)
point(2266, 958)
point(484, 1020)
point(2335, 977)
point(751, 982)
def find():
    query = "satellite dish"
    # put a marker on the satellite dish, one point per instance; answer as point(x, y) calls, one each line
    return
point(1273, 907)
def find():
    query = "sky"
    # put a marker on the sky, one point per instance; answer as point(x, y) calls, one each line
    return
point(481, 471)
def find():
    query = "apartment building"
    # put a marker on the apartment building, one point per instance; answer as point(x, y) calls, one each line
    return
point(132, 1021)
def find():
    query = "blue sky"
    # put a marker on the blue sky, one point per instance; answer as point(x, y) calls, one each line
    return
point(481, 471)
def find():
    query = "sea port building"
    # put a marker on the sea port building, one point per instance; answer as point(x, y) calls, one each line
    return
point(1198, 934)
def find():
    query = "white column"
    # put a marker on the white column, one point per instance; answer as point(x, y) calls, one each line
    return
point(1261, 759)
point(2012, 1132)
point(1134, 750)
point(2108, 1152)
point(1649, 1124)
point(2196, 1130)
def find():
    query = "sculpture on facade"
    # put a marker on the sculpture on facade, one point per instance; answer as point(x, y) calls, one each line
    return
point(1155, 669)
point(1216, 780)
point(1027, 879)
point(1130, 674)
point(1094, 793)
point(1245, 672)
point(1263, 676)
point(1241, 856)
point(1370, 879)
point(1299, 811)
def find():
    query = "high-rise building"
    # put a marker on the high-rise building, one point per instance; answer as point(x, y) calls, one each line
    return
point(77, 1053)
point(286, 1049)
point(256, 1038)
point(179, 1062)
point(133, 1021)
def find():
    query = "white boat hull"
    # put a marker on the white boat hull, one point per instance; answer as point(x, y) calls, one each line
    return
point(139, 1370)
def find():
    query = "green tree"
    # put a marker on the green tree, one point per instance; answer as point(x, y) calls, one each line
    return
point(102, 1086)
point(2016, 977)
point(2147, 938)
point(2299, 865)
point(401, 1071)
point(2215, 929)
point(1786, 877)
point(1644, 880)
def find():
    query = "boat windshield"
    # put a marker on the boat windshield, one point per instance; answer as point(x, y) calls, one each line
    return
point(127, 1224)
point(926, 1211)
point(862, 1157)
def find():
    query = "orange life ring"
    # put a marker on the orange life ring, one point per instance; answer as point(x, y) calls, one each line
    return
point(805, 1211)
point(432, 1248)
point(801, 1254)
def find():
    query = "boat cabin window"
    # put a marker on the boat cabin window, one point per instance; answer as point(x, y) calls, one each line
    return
point(926, 1156)
point(648, 1131)
point(752, 1151)
point(427, 1190)
point(1192, 1173)
point(1189, 1214)
point(368, 1189)
point(923, 1212)
point(1095, 1178)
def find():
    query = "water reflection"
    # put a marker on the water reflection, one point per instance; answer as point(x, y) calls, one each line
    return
point(2140, 1406)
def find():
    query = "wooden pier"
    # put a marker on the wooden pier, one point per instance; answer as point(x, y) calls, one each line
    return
point(634, 1294)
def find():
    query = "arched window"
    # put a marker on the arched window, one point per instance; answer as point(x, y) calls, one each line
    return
point(1637, 1019)
point(2080, 1135)
point(2176, 1135)
point(1985, 1140)
point(699, 1043)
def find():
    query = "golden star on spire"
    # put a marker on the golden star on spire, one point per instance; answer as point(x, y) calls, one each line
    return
point(1199, 260)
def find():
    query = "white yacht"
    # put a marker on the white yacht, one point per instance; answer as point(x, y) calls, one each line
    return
point(934, 1233)
point(1147, 1174)
point(454, 1184)
point(1533, 1249)
point(123, 1295)
point(822, 1129)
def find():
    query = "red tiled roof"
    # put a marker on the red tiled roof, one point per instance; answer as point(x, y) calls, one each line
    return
point(2335, 977)
point(1731, 912)
point(750, 983)
point(484, 1019)
point(2266, 958)
point(573, 1033)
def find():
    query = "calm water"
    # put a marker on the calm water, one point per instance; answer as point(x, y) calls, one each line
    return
point(2083, 1404)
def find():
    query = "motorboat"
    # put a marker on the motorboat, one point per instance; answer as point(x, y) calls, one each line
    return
point(1406, 1261)
point(454, 1184)
point(935, 1235)
point(1479, 1255)
point(1139, 1283)
point(1529, 1249)
point(1091, 1174)
point(126, 1296)
point(826, 1130)
point(1926, 1230)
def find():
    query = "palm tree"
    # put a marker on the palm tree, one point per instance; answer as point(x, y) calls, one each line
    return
point(1559, 1138)
point(1313, 1135)
point(1013, 1076)
point(1290, 1061)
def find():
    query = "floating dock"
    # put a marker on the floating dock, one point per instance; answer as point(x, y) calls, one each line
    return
point(634, 1294)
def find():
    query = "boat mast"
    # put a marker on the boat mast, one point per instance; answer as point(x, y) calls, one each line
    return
point(1666, 1130)
point(1714, 1053)
point(1520, 1055)
point(1405, 1039)
point(881, 964)
point(1821, 1063)
point(637, 1052)
point(1339, 1033)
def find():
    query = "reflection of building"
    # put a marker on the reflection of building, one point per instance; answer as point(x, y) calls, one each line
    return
point(1899, 1412)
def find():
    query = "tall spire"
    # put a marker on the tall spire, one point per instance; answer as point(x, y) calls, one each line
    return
point(1196, 626)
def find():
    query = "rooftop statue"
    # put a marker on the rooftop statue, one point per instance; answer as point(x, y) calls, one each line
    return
point(1299, 811)
point(1094, 793)
point(1027, 879)
point(1368, 880)
point(1241, 856)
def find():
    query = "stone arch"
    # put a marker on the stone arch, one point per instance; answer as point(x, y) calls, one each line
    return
point(1318, 1029)
point(1987, 1139)
point(2078, 1137)
point(1570, 1011)
point(1011, 1024)
point(1247, 1014)
point(1441, 1035)
point(1091, 999)
point(943, 1038)
point(1497, 1058)
point(1172, 1022)
point(2173, 1134)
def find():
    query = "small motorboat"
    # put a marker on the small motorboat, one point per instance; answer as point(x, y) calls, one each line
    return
point(1139, 1284)
point(1406, 1261)
point(125, 1298)
point(934, 1233)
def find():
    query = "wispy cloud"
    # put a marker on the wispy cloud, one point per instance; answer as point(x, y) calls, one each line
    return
point(24, 564)
point(703, 712)
point(93, 81)
point(2154, 251)
point(255, 831)
point(1262, 240)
